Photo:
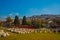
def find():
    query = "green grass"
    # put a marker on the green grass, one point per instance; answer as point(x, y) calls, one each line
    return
point(32, 36)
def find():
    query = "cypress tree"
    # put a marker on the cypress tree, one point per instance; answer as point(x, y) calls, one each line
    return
point(16, 20)
point(24, 20)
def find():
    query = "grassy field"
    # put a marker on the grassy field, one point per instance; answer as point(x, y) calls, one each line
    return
point(32, 36)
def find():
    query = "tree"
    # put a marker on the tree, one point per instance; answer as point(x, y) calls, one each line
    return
point(16, 21)
point(0, 23)
point(33, 22)
point(27, 23)
point(37, 23)
point(24, 20)
point(8, 20)
point(56, 23)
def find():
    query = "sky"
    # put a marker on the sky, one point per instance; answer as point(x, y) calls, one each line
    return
point(28, 7)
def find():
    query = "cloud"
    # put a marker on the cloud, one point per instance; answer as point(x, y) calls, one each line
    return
point(33, 11)
point(5, 17)
point(17, 13)
point(46, 11)
point(10, 14)
point(55, 8)
point(52, 9)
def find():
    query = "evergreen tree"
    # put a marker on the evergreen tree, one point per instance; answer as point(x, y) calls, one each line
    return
point(16, 21)
point(24, 20)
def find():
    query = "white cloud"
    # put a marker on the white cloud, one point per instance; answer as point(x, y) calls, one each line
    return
point(52, 9)
point(55, 8)
point(33, 11)
point(5, 17)
point(17, 13)
point(10, 14)
point(46, 11)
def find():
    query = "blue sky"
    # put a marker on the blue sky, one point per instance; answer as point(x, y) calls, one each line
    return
point(28, 7)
